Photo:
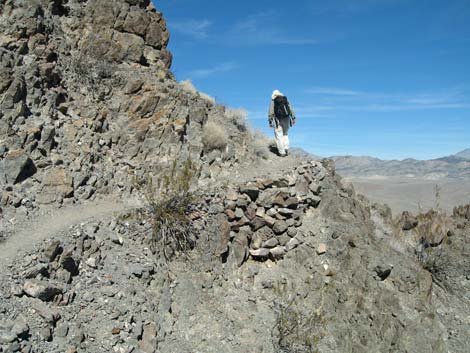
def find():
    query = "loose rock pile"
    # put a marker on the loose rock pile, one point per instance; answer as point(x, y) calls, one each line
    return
point(265, 215)
point(95, 290)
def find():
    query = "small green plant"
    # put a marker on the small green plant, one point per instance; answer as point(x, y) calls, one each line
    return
point(169, 202)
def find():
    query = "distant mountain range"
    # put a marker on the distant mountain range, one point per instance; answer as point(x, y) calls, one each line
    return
point(453, 166)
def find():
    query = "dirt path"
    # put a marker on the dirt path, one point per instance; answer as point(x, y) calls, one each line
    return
point(44, 226)
point(272, 167)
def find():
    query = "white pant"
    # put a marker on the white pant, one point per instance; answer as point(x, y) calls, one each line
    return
point(280, 133)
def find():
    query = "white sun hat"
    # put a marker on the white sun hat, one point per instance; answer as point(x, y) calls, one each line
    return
point(275, 94)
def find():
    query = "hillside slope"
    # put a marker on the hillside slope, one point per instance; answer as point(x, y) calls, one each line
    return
point(454, 166)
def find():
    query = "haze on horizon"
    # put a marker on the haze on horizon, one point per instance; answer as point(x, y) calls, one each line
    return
point(388, 79)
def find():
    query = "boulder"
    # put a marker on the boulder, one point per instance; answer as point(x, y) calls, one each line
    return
point(17, 166)
point(56, 185)
point(239, 249)
point(52, 250)
point(41, 289)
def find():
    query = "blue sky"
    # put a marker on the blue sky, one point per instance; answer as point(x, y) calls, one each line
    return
point(387, 78)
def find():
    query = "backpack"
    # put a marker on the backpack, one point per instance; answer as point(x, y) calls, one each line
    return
point(281, 107)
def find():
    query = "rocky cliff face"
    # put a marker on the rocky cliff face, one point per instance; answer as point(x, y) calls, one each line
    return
point(286, 258)
point(87, 101)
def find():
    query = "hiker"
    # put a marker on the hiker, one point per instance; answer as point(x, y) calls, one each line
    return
point(281, 117)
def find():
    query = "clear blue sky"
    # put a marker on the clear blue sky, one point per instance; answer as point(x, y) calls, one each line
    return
point(387, 78)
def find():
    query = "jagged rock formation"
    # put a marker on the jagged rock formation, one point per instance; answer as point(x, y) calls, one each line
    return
point(290, 260)
point(87, 101)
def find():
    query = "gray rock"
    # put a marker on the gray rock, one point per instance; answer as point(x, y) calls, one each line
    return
point(116, 239)
point(216, 209)
point(38, 269)
point(291, 231)
point(148, 344)
point(7, 337)
point(292, 244)
point(279, 227)
point(17, 166)
point(287, 212)
point(315, 188)
point(20, 328)
point(68, 262)
point(283, 239)
point(76, 335)
point(239, 249)
point(239, 213)
point(61, 330)
point(261, 253)
point(270, 243)
point(278, 252)
point(257, 223)
point(41, 289)
point(46, 334)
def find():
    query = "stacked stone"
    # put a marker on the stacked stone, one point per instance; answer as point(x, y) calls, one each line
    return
point(265, 215)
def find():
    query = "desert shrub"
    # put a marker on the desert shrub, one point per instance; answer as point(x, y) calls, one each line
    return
point(168, 204)
point(261, 144)
point(299, 327)
point(90, 72)
point(237, 117)
point(214, 137)
point(188, 86)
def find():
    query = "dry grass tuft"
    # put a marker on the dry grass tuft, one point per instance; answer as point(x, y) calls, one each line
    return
point(188, 86)
point(214, 137)
point(237, 117)
point(261, 144)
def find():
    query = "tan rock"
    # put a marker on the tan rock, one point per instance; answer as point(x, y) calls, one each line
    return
point(321, 249)
point(56, 185)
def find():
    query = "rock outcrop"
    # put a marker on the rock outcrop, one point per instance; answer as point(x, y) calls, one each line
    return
point(87, 102)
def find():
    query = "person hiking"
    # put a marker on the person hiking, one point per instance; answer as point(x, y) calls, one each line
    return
point(281, 117)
